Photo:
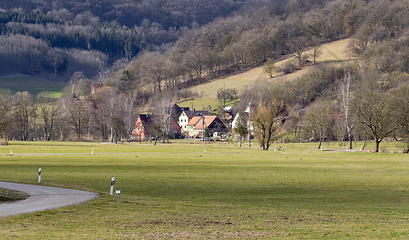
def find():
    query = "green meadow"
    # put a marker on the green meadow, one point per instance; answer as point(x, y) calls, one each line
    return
point(179, 191)
point(33, 85)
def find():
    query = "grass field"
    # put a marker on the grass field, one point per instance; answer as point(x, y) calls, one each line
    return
point(31, 84)
point(178, 191)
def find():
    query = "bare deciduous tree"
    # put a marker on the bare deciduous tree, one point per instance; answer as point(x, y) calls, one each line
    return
point(24, 114)
point(400, 106)
point(47, 112)
point(79, 113)
point(267, 122)
point(345, 101)
point(161, 117)
point(316, 49)
point(299, 47)
point(152, 69)
point(269, 67)
point(223, 95)
point(6, 101)
point(375, 112)
point(318, 120)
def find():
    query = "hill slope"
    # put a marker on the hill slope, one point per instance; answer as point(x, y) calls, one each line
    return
point(331, 52)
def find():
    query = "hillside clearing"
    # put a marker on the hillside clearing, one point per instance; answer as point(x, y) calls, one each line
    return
point(32, 84)
point(333, 51)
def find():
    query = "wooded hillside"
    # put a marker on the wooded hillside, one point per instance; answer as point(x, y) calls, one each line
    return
point(62, 37)
point(333, 101)
point(232, 44)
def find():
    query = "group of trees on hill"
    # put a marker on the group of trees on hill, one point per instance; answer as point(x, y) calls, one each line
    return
point(336, 102)
point(23, 54)
point(117, 30)
point(175, 13)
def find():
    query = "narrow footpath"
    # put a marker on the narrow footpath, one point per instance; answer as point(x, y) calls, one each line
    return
point(42, 198)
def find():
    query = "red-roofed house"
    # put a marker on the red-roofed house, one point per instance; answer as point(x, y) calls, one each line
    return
point(143, 127)
point(95, 87)
point(187, 115)
point(212, 123)
point(141, 131)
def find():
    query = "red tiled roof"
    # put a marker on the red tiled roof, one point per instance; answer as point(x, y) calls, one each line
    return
point(196, 122)
point(207, 121)
point(97, 86)
point(193, 121)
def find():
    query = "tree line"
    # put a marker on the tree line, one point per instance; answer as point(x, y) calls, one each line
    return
point(349, 103)
point(129, 13)
point(77, 115)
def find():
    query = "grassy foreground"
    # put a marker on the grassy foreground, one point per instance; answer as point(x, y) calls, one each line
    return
point(178, 191)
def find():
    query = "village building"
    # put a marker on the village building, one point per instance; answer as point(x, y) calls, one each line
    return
point(246, 120)
point(144, 127)
point(176, 111)
point(171, 126)
point(95, 87)
point(141, 131)
point(245, 116)
point(187, 115)
point(197, 124)
point(227, 115)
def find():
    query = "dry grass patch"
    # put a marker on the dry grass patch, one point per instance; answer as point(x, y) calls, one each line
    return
point(335, 51)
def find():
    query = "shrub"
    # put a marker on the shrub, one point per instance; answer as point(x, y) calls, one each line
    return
point(288, 68)
point(4, 141)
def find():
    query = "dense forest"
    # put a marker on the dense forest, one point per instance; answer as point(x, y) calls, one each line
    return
point(59, 38)
point(147, 52)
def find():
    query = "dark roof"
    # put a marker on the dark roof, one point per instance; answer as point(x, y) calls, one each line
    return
point(204, 113)
point(145, 119)
point(190, 114)
point(176, 111)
